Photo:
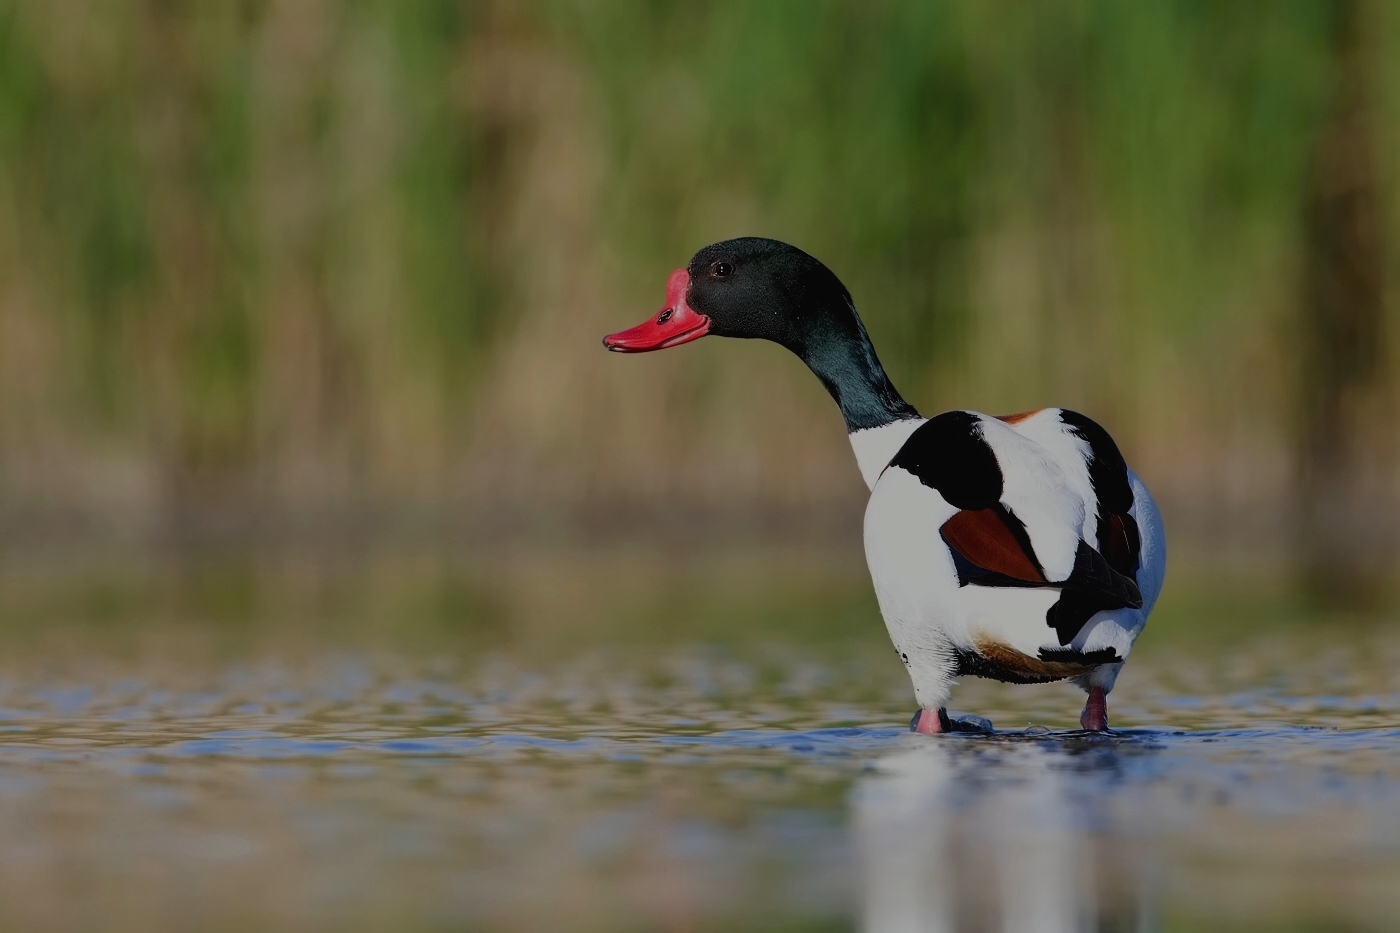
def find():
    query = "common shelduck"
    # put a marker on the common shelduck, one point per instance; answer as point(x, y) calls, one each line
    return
point(1019, 548)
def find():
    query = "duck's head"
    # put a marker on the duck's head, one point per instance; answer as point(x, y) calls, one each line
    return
point(764, 289)
point(749, 287)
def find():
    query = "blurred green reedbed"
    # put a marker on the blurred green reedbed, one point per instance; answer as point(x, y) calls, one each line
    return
point(346, 582)
point(270, 264)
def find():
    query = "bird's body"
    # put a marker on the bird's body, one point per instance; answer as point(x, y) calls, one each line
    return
point(925, 554)
point(1019, 548)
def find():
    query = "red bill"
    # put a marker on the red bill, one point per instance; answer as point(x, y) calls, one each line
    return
point(674, 325)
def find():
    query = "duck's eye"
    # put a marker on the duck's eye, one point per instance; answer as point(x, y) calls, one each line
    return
point(665, 316)
point(721, 269)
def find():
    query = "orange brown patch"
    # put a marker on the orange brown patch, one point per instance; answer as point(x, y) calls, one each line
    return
point(1023, 666)
point(986, 539)
point(1019, 416)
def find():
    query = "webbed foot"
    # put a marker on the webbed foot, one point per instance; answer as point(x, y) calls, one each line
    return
point(935, 722)
point(1095, 715)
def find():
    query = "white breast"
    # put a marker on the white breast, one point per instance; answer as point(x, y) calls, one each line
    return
point(876, 447)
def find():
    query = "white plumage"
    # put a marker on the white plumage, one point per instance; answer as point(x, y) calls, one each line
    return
point(931, 615)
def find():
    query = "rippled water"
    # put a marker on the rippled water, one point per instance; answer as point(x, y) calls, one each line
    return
point(717, 757)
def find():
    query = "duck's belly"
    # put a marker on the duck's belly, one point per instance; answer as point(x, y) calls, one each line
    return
point(942, 629)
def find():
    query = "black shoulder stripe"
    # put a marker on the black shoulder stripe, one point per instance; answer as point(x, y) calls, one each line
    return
point(948, 453)
point(1107, 469)
point(1118, 538)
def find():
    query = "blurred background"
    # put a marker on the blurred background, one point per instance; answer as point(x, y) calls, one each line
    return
point(307, 267)
point(346, 582)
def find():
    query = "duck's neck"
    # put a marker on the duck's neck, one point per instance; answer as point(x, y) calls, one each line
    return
point(878, 419)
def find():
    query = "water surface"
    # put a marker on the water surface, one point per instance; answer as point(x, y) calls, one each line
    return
point(487, 744)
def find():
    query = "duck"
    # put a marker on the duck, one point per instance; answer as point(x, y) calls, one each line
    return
point(1019, 548)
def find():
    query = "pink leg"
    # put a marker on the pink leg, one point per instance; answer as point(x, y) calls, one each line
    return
point(1095, 715)
point(931, 722)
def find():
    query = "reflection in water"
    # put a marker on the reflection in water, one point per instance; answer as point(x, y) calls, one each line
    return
point(986, 834)
point(903, 819)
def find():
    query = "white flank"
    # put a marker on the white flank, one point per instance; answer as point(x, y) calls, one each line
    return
point(876, 447)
